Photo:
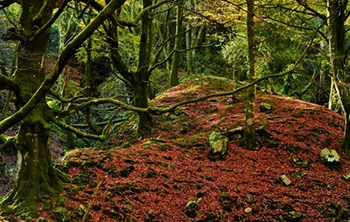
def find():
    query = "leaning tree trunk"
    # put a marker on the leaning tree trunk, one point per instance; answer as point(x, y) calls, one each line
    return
point(35, 173)
point(249, 136)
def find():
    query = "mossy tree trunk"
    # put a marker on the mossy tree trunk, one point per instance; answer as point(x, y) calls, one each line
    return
point(249, 136)
point(35, 173)
point(141, 78)
point(336, 24)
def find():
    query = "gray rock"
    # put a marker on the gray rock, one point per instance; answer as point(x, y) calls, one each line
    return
point(330, 157)
point(218, 143)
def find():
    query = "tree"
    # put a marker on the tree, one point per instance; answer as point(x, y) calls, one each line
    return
point(337, 41)
point(36, 175)
point(249, 130)
point(173, 78)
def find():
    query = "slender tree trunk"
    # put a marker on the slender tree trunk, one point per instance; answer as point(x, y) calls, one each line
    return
point(249, 130)
point(189, 54)
point(174, 79)
point(166, 34)
point(35, 173)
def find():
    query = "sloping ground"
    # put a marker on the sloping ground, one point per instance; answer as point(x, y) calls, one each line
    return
point(155, 178)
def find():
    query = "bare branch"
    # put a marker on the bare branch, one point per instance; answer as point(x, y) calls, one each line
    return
point(172, 53)
point(316, 13)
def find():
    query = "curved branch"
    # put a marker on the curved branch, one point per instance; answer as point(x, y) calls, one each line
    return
point(7, 83)
point(78, 132)
point(59, 65)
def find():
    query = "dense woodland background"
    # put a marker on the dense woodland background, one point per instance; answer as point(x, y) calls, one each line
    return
point(172, 94)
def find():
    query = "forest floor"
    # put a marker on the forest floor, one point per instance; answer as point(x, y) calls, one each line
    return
point(170, 175)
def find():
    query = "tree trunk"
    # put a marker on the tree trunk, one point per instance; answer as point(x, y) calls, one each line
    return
point(174, 79)
point(189, 54)
point(141, 100)
point(36, 175)
point(336, 24)
point(141, 77)
point(249, 137)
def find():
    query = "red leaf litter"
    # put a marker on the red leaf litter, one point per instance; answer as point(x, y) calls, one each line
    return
point(155, 178)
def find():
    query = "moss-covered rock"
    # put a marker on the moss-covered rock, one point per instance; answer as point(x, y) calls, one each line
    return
point(329, 157)
point(60, 214)
point(218, 143)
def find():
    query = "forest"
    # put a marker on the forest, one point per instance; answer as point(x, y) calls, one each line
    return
point(174, 110)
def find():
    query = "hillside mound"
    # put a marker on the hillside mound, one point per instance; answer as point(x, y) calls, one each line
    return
point(171, 177)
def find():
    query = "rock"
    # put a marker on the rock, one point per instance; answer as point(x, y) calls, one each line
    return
point(218, 143)
point(192, 208)
point(329, 157)
point(248, 210)
point(300, 162)
point(293, 216)
point(265, 107)
point(285, 180)
point(60, 214)
point(346, 176)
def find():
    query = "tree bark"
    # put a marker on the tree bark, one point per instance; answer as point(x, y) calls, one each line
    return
point(336, 24)
point(35, 173)
point(173, 78)
point(141, 77)
point(249, 136)
point(189, 54)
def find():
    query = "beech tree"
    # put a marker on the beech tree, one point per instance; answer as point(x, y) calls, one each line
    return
point(36, 174)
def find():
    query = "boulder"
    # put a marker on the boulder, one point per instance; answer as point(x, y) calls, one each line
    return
point(329, 157)
point(218, 143)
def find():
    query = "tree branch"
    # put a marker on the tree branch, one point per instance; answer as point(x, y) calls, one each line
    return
point(51, 21)
point(7, 83)
point(141, 14)
point(59, 65)
point(78, 132)
point(316, 13)
point(172, 53)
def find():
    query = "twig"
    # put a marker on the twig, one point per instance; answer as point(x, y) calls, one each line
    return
point(92, 199)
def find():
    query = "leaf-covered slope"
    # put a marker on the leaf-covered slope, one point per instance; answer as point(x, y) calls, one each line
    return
point(155, 178)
